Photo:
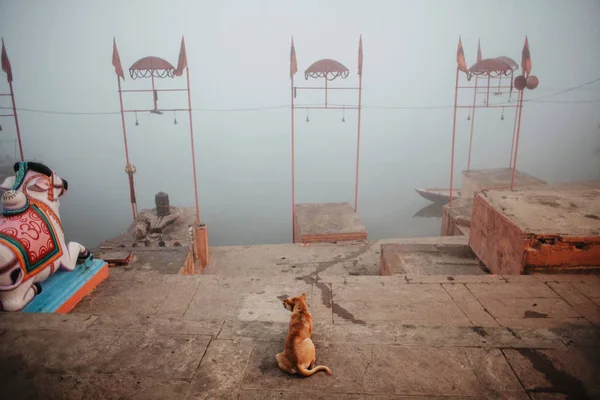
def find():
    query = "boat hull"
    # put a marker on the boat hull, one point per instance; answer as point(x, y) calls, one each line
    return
point(437, 195)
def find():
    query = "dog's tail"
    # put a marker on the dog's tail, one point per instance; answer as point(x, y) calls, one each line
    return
point(308, 372)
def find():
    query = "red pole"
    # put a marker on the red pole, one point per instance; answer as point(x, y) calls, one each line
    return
point(520, 109)
point(487, 100)
point(12, 98)
point(154, 94)
point(325, 90)
point(132, 188)
point(453, 136)
point(512, 145)
point(192, 144)
point(358, 143)
point(472, 123)
point(293, 172)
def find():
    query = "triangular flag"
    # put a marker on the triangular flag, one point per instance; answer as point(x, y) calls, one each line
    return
point(526, 59)
point(479, 57)
point(116, 61)
point(6, 64)
point(293, 61)
point(460, 57)
point(360, 56)
point(182, 63)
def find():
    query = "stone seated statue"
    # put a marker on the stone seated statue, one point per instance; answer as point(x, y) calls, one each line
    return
point(32, 241)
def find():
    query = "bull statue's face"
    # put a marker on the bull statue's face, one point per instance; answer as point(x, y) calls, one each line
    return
point(37, 181)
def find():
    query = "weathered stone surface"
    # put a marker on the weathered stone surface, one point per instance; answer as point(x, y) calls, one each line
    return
point(32, 385)
point(142, 294)
point(257, 330)
point(420, 371)
point(245, 299)
point(42, 321)
point(589, 288)
point(494, 374)
point(422, 279)
point(533, 308)
point(159, 325)
point(574, 335)
point(165, 357)
point(469, 305)
point(381, 333)
point(222, 370)
point(531, 289)
point(428, 259)
point(573, 372)
point(583, 305)
point(357, 304)
point(486, 337)
point(327, 222)
point(542, 323)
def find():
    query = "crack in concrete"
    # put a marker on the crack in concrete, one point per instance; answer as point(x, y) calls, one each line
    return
point(369, 363)
point(326, 291)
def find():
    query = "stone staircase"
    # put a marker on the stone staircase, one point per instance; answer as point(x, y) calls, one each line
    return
point(148, 333)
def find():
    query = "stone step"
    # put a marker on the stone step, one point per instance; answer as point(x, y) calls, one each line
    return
point(536, 301)
point(149, 357)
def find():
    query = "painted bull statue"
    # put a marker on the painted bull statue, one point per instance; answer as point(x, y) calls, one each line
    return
point(32, 241)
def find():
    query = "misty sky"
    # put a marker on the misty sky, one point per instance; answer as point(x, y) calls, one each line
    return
point(238, 54)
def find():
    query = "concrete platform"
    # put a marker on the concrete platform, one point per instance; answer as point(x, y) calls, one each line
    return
point(429, 259)
point(456, 220)
point(548, 228)
point(328, 222)
point(477, 180)
point(144, 335)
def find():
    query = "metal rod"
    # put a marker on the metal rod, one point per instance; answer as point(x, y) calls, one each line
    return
point(326, 91)
point(323, 88)
point(4, 94)
point(162, 109)
point(512, 143)
point(154, 95)
point(494, 106)
point(14, 106)
point(487, 100)
point(479, 87)
point(323, 108)
point(358, 143)
point(293, 171)
point(7, 115)
point(150, 90)
point(472, 125)
point(133, 205)
point(192, 144)
point(453, 136)
point(512, 181)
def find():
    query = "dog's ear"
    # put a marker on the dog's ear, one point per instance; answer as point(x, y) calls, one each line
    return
point(303, 295)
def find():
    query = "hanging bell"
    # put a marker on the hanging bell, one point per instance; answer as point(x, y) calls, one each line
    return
point(174, 118)
point(0, 128)
point(469, 117)
point(343, 115)
point(502, 116)
point(136, 120)
point(307, 120)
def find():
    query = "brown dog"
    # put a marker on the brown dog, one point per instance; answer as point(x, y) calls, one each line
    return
point(298, 354)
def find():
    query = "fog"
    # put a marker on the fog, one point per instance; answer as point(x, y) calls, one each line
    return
point(238, 55)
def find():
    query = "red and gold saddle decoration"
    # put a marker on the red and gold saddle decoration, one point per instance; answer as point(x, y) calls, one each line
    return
point(32, 238)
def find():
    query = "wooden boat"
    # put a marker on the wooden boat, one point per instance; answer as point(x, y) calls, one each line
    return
point(437, 195)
